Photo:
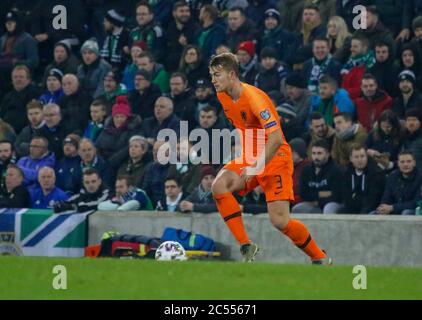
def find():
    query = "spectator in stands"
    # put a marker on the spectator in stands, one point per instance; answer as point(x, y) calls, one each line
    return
point(271, 73)
point(361, 60)
point(39, 157)
point(222, 48)
point(93, 193)
point(112, 89)
point(74, 105)
point(201, 199)
point(192, 65)
point(320, 186)
point(319, 130)
point(347, 133)
point(385, 69)
point(98, 113)
point(34, 112)
point(300, 160)
point(149, 31)
point(173, 195)
point(93, 69)
point(385, 141)
point(413, 137)
point(137, 160)
point(417, 30)
point(298, 96)
point(13, 105)
point(276, 37)
point(7, 157)
point(255, 11)
point(411, 60)
point(112, 142)
point(346, 10)
point(409, 97)
point(17, 195)
point(67, 169)
point(64, 60)
point(55, 129)
point(180, 93)
point(211, 34)
point(339, 38)
point(331, 100)
point(155, 174)
point(91, 160)
point(189, 173)
point(375, 29)
point(322, 63)
point(159, 75)
point(44, 195)
point(6, 132)
point(413, 9)
point(53, 84)
point(143, 97)
point(164, 118)
point(312, 27)
point(402, 189)
point(372, 102)
point(137, 48)
point(254, 202)
point(391, 13)
point(239, 28)
point(363, 183)
point(16, 45)
point(117, 37)
point(127, 198)
point(181, 31)
point(248, 61)
point(204, 97)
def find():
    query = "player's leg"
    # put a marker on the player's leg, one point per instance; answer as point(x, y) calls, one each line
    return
point(279, 212)
point(227, 182)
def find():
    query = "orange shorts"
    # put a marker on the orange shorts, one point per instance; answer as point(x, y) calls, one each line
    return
point(276, 180)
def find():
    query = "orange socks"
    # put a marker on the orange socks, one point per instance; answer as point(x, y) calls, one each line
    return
point(230, 211)
point(301, 237)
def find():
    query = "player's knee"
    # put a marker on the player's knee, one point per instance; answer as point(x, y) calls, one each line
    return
point(279, 219)
point(219, 186)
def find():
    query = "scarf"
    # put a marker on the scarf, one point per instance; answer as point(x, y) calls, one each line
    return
point(368, 60)
point(317, 71)
point(349, 133)
point(203, 195)
point(327, 108)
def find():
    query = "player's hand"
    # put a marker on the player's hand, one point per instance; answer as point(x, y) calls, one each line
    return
point(247, 173)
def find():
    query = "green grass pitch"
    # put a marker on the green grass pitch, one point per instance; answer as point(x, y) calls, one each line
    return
point(32, 278)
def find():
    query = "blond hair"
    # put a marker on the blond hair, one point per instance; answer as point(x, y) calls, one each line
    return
point(226, 61)
point(342, 30)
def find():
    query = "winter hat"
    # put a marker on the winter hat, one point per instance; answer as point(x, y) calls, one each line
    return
point(286, 111)
point(296, 79)
point(12, 16)
point(247, 46)
point(417, 23)
point(144, 73)
point(298, 145)
point(207, 170)
point(407, 75)
point(115, 18)
point(56, 73)
point(72, 139)
point(140, 44)
point(203, 83)
point(121, 106)
point(91, 45)
point(414, 112)
point(65, 45)
point(115, 74)
point(268, 52)
point(272, 13)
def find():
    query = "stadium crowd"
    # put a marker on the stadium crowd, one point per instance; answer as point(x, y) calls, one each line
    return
point(81, 107)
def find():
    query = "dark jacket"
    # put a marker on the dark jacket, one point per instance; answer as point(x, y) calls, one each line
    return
point(362, 194)
point(387, 74)
point(143, 104)
point(210, 38)
point(203, 202)
point(303, 51)
point(384, 144)
point(75, 110)
point(69, 66)
point(18, 198)
point(13, 106)
point(135, 170)
point(24, 50)
point(162, 204)
point(153, 35)
point(249, 71)
point(326, 180)
point(245, 32)
point(112, 144)
point(413, 143)
point(333, 69)
point(402, 192)
point(91, 77)
point(378, 32)
point(153, 181)
point(67, 174)
point(189, 174)
point(400, 107)
point(195, 73)
point(112, 50)
point(55, 137)
point(150, 126)
point(182, 102)
point(101, 166)
point(83, 201)
point(270, 80)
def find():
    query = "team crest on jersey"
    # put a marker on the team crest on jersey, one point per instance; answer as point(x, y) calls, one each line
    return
point(265, 115)
point(243, 115)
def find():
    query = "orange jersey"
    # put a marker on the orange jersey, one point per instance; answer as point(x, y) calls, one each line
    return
point(253, 111)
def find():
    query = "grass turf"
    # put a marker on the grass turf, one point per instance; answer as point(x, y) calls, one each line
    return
point(32, 278)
